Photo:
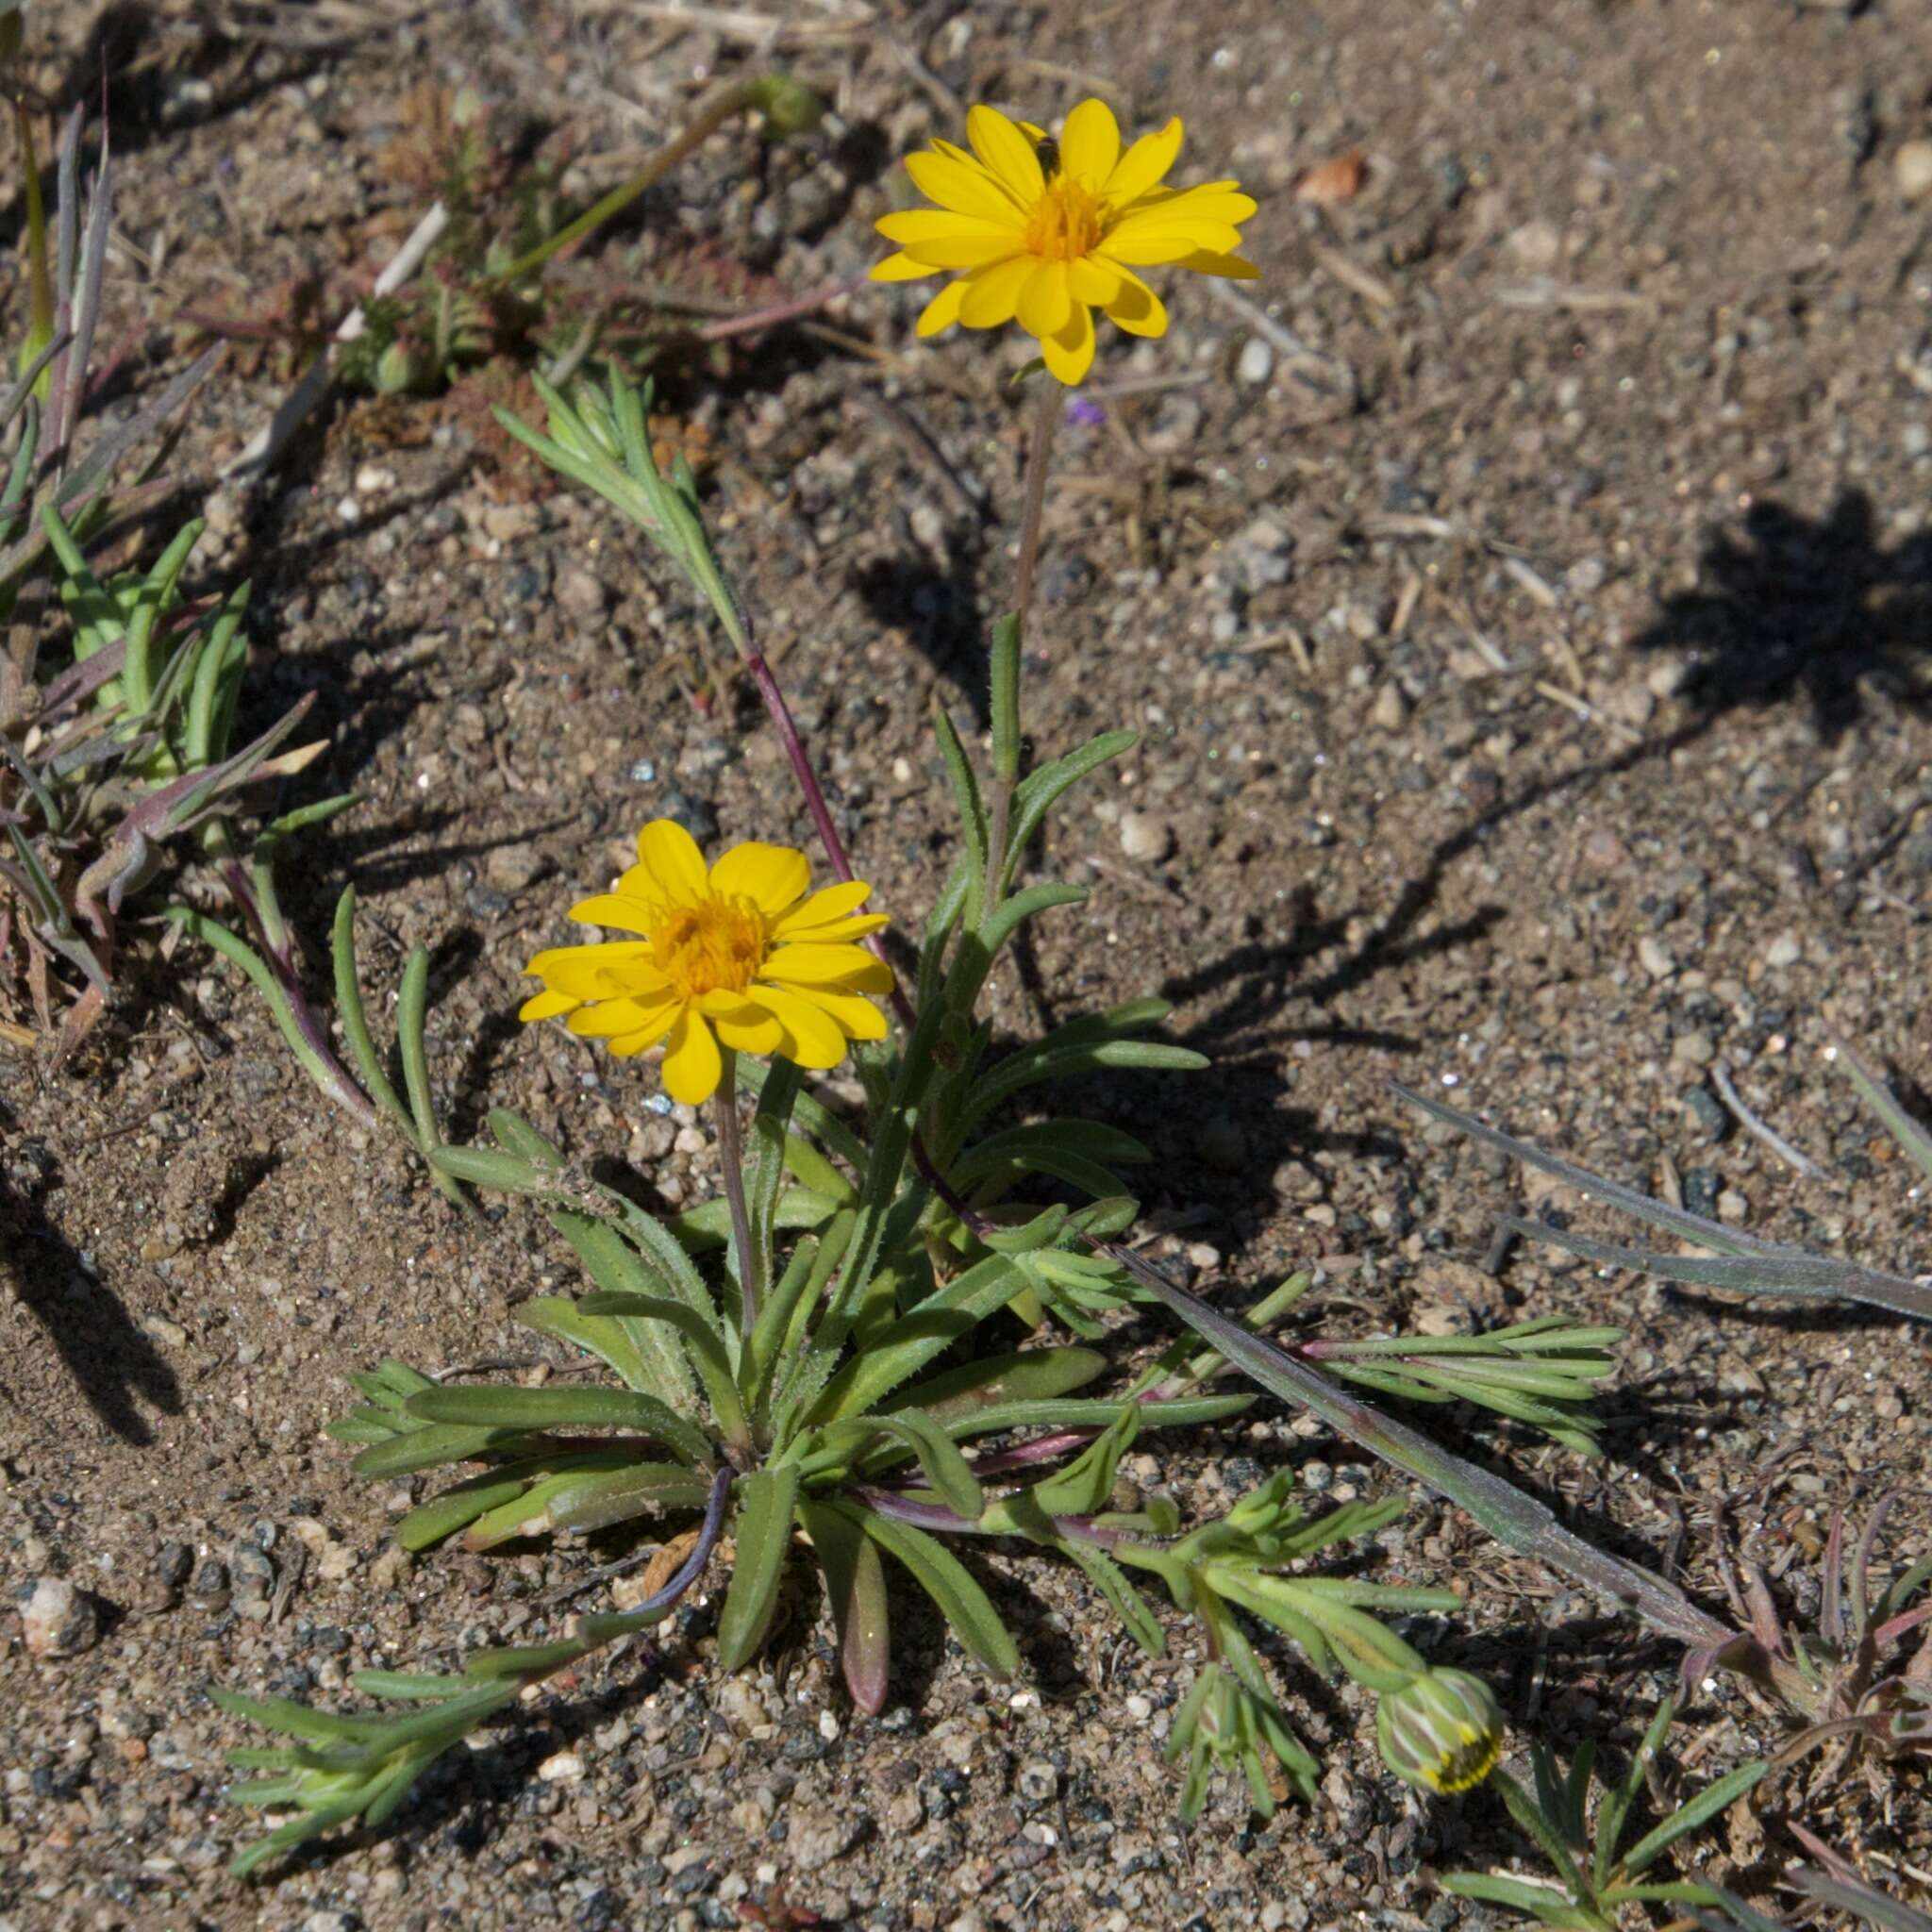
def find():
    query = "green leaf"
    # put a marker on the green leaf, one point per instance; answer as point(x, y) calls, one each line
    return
point(817, 1120)
point(966, 798)
point(768, 1136)
point(1005, 686)
point(1547, 1832)
point(917, 1337)
point(515, 1135)
point(484, 1167)
point(762, 1529)
point(1032, 1374)
point(1544, 1903)
point(1084, 1485)
point(616, 1344)
point(963, 1604)
point(945, 1469)
point(1036, 794)
point(428, 1447)
point(1183, 1411)
point(355, 1022)
point(855, 1587)
point(503, 1406)
point(1033, 1067)
point(1618, 1798)
point(594, 1502)
point(780, 1326)
point(1687, 1817)
point(706, 1345)
point(616, 1265)
point(1125, 1601)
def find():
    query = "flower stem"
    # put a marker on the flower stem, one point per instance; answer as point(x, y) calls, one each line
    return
point(731, 1159)
point(1046, 416)
point(708, 119)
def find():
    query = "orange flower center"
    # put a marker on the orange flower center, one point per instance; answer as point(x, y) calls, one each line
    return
point(1065, 222)
point(714, 946)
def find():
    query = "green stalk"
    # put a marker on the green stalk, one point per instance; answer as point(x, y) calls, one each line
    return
point(731, 1163)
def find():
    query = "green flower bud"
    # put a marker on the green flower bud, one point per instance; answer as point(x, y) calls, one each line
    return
point(1443, 1730)
point(787, 107)
point(401, 366)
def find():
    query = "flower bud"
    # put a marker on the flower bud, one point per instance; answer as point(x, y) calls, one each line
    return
point(1442, 1729)
point(787, 107)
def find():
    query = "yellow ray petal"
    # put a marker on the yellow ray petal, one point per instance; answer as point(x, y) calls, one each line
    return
point(746, 1026)
point(966, 188)
point(691, 1061)
point(1093, 281)
point(587, 972)
point(773, 877)
point(660, 1022)
point(857, 1018)
point(1070, 353)
point(610, 1017)
point(966, 251)
point(836, 931)
point(1229, 267)
point(1195, 204)
point(914, 226)
point(943, 311)
point(1137, 309)
point(1006, 152)
point(617, 909)
point(811, 1035)
point(992, 294)
point(827, 904)
point(844, 969)
point(1091, 145)
point(1146, 248)
point(545, 1006)
point(900, 268)
point(1143, 164)
point(671, 855)
point(1044, 305)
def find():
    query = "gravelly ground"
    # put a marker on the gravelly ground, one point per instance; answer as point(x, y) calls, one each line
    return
point(1531, 669)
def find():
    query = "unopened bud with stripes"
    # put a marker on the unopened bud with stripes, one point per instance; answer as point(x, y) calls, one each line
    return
point(1442, 1729)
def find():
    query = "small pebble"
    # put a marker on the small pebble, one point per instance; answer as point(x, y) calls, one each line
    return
point(1037, 1782)
point(580, 591)
point(1146, 837)
point(1654, 957)
point(57, 1620)
point(1695, 1048)
point(372, 480)
point(1782, 952)
point(1257, 362)
point(1389, 712)
point(1911, 169)
point(562, 1768)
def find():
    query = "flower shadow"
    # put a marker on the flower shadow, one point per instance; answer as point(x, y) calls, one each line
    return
point(1816, 606)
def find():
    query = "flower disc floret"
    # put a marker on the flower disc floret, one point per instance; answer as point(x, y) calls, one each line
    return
point(737, 956)
point(1047, 244)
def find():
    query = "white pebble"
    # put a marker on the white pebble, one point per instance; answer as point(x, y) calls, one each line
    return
point(349, 511)
point(1257, 362)
point(373, 480)
point(564, 1768)
point(1911, 169)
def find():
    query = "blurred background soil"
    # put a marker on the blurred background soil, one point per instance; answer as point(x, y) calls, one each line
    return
point(1526, 609)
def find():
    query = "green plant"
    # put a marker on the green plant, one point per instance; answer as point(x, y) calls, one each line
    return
point(117, 693)
point(1598, 1872)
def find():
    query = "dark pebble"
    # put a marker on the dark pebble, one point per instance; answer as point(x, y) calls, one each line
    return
point(486, 902)
point(693, 814)
point(1701, 1191)
point(175, 1565)
point(1709, 1111)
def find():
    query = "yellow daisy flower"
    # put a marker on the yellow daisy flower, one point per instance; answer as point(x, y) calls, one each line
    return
point(733, 955)
point(1051, 241)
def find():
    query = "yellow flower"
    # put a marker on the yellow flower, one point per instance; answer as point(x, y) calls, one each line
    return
point(1050, 244)
point(736, 954)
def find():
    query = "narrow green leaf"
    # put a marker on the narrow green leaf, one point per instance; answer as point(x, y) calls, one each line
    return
point(484, 1167)
point(1687, 1817)
point(704, 1341)
point(1543, 1903)
point(412, 1001)
point(515, 1135)
point(963, 1604)
point(967, 800)
point(945, 1469)
point(659, 1364)
point(1036, 794)
point(1032, 1374)
point(1005, 708)
point(501, 1407)
point(762, 1529)
point(856, 1586)
point(356, 1021)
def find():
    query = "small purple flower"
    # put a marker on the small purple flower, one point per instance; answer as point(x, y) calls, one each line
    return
point(1085, 411)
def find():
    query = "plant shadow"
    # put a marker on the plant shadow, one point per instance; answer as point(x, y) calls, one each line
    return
point(110, 1358)
point(1793, 605)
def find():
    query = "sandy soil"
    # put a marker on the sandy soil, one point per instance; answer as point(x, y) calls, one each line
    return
point(1528, 633)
